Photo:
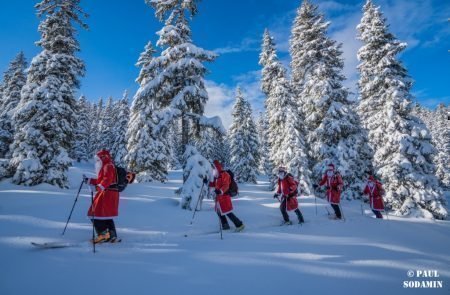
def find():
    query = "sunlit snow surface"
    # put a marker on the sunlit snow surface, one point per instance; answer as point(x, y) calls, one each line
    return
point(361, 255)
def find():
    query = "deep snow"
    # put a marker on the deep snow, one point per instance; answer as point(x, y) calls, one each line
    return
point(360, 255)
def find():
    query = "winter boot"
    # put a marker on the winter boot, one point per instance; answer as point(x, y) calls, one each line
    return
point(240, 228)
point(101, 238)
point(300, 216)
point(225, 226)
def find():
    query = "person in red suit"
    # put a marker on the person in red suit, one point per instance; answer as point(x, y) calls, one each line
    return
point(288, 190)
point(224, 206)
point(334, 184)
point(375, 190)
point(106, 201)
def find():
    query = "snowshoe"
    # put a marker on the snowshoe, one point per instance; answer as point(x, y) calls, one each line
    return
point(334, 217)
point(102, 238)
point(240, 228)
point(286, 223)
point(115, 240)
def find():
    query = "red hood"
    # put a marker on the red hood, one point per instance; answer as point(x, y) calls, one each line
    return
point(218, 166)
point(104, 156)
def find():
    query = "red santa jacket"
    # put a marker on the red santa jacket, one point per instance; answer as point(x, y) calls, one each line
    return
point(334, 185)
point(287, 188)
point(374, 189)
point(222, 183)
point(106, 201)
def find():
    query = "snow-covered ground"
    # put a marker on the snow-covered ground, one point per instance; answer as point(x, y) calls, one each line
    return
point(361, 255)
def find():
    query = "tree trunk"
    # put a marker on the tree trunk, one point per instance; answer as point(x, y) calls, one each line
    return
point(184, 137)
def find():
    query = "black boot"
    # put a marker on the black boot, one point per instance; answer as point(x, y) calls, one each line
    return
point(300, 216)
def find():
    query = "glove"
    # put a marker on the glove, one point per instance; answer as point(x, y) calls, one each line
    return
point(315, 186)
point(100, 187)
point(275, 196)
point(218, 191)
point(205, 180)
point(85, 179)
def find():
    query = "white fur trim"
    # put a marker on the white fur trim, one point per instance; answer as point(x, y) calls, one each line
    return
point(102, 218)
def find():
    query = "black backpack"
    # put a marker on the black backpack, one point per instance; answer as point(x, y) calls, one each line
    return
point(122, 180)
point(233, 190)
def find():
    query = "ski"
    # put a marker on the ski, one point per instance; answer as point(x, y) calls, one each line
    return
point(202, 233)
point(58, 245)
point(53, 245)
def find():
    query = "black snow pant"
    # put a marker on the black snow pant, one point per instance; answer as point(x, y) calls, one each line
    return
point(337, 210)
point(377, 213)
point(223, 219)
point(283, 210)
point(102, 225)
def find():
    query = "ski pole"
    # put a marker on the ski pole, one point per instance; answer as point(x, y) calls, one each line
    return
point(385, 211)
point(220, 227)
point(93, 217)
point(198, 200)
point(342, 212)
point(70, 215)
point(315, 202)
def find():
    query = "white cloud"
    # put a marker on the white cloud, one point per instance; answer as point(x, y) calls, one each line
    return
point(220, 101)
point(222, 96)
point(247, 44)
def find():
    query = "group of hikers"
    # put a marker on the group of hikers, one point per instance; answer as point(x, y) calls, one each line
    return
point(105, 204)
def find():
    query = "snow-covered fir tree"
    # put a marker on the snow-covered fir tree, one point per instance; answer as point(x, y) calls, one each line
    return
point(81, 147)
point(268, 59)
point(179, 88)
point(13, 82)
point(438, 124)
point(293, 153)
point(265, 164)
point(176, 151)
point(243, 138)
point(45, 117)
point(285, 133)
point(277, 100)
point(196, 168)
point(209, 144)
point(119, 144)
point(441, 138)
point(307, 25)
point(104, 134)
point(401, 142)
point(333, 132)
point(148, 152)
point(97, 112)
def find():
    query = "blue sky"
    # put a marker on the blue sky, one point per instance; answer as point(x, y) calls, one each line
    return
point(120, 29)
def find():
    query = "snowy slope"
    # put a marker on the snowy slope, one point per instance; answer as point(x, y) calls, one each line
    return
point(360, 255)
